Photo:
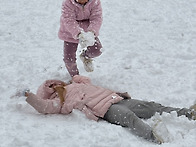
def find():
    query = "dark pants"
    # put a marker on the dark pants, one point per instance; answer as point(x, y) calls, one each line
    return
point(70, 55)
point(128, 113)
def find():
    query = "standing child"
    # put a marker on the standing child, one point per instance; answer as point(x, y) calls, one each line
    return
point(80, 22)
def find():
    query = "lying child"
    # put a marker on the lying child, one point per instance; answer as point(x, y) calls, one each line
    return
point(55, 96)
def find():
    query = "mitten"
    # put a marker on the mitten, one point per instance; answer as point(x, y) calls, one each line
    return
point(86, 39)
point(82, 40)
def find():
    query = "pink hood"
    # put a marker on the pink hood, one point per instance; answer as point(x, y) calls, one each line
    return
point(76, 17)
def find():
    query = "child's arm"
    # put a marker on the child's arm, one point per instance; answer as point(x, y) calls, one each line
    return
point(96, 18)
point(89, 114)
point(68, 20)
point(45, 106)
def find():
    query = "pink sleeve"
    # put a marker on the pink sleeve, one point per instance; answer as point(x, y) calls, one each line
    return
point(66, 108)
point(68, 19)
point(81, 79)
point(96, 18)
point(47, 106)
point(44, 92)
point(89, 114)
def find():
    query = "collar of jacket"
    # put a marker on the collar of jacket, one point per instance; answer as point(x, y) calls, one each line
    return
point(74, 1)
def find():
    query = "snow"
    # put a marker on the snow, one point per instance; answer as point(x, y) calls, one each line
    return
point(86, 39)
point(149, 51)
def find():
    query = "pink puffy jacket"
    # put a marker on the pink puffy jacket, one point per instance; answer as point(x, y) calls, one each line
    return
point(94, 101)
point(76, 17)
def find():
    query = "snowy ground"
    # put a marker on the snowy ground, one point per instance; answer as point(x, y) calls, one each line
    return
point(149, 51)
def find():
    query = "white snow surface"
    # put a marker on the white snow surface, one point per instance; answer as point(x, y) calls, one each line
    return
point(148, 51)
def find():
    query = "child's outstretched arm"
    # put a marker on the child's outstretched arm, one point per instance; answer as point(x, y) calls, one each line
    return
point(45, 106)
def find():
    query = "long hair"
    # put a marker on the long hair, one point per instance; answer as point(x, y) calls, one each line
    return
point(61, 91)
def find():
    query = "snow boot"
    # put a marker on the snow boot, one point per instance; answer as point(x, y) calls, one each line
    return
point(193, 111)
point(88, 65)
point(193, 107)
point(157, 138)
point(160, 132)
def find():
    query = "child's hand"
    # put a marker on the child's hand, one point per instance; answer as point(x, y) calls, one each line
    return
point(20, 93)
point(86, 39)
point(82, 41)
point(26, 92)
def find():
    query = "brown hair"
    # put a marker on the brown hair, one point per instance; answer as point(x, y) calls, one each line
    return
point(61, 91)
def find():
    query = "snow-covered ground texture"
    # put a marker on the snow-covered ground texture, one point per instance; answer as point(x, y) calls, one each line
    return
point(149, 51)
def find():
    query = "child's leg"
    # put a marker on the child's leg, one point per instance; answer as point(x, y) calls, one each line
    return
point(144, 109)
point(70, 57)
point(121, 115)
point(94, 51)
point(180, 111)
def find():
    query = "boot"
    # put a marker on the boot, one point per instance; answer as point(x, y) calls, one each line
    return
point(88, 65)
point(157, 139)
point(193, 111)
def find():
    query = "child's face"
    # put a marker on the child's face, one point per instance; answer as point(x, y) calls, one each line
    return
point(82, 1)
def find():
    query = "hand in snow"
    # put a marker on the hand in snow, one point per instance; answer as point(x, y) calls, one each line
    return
point(86, 39)
point(23, 92)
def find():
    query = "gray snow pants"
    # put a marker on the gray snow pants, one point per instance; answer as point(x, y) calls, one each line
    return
point(128, 113)
point(70, 55)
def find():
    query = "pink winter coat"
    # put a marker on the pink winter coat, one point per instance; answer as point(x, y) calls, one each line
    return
point(94, 101)
point(76, 17)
